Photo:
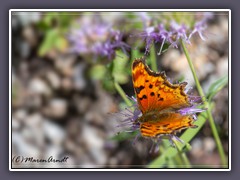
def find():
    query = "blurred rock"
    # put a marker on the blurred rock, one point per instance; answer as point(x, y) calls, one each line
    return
point(15, 124)
point(20, 115)
point(209, 144)
point(197, 148)
point(122, 161)
point(90, 134)
point(105, 102)
point(204, 68)
point(56, 108)
point(74, 127)
point(93, 117)
point(82, 103)
point(53, 132)
point(34, 120)
point(38, 86)
point(33, 101)
point(70, 145)
point(29, 34)
point(113, 162)
point(178, 63)
point(25, 18)
point(64, 65)
point(33, 131)
point(55, 152)
point(222, 66)
point(67, 84)
point(24, 49)
point(218, 36)
point(79, 79)
point(53, 79)
point(24, 148)
point(95, 144)
point(171, 58)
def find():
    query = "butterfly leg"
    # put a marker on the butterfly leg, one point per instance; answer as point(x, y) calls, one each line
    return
point(155, 145)
point(173, 139)
point(136, 138)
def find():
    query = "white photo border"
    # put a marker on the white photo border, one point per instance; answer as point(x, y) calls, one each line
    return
point(114, 10)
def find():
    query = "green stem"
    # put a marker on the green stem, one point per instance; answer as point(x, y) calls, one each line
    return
point(183, 156)
point(178, 156)
point(122, 94)
point(206, 104)
point(170, 162)
point(153, 59)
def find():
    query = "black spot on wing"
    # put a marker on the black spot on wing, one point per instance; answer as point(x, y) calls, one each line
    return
point(143, 97)
point(138, 89)
point(160, 99)
point(165, 125)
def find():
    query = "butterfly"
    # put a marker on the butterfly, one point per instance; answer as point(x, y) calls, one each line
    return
point(160, 102)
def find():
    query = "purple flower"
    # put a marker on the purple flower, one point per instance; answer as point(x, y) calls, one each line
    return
point(180, 31)
point(96, 38)
point(131, 117)
point(146, 19)
point(173, 32)
point(201, 26)
point(150, 36)
point(164, 36)
point(191, 110)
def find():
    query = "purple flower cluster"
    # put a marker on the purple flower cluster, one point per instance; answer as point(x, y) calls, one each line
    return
point(96, 38)
point(172, 33)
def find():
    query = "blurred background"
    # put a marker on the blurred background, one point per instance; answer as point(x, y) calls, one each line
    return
point(64, 102)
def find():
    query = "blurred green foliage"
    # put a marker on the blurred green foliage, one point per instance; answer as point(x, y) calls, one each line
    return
point(124, 136)
point(55, 26)
point(216, 87)
point(114, 71)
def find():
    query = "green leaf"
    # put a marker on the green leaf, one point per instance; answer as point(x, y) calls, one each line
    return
point(124, 136)
point(61, 43)
point(48, 42)
point(119, 68)
point(216, 87)
point(108, 85)
point(53, 40)
point(49, 17)
point(98, 72)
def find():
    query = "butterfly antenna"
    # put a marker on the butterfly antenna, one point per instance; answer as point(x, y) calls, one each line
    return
point(143, 58)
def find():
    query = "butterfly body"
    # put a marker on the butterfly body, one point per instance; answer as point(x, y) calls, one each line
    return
point(159, 101)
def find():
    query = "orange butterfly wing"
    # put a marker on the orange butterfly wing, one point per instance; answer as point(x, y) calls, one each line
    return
point(158, 100)
point(169, 123)
point(155, 92)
